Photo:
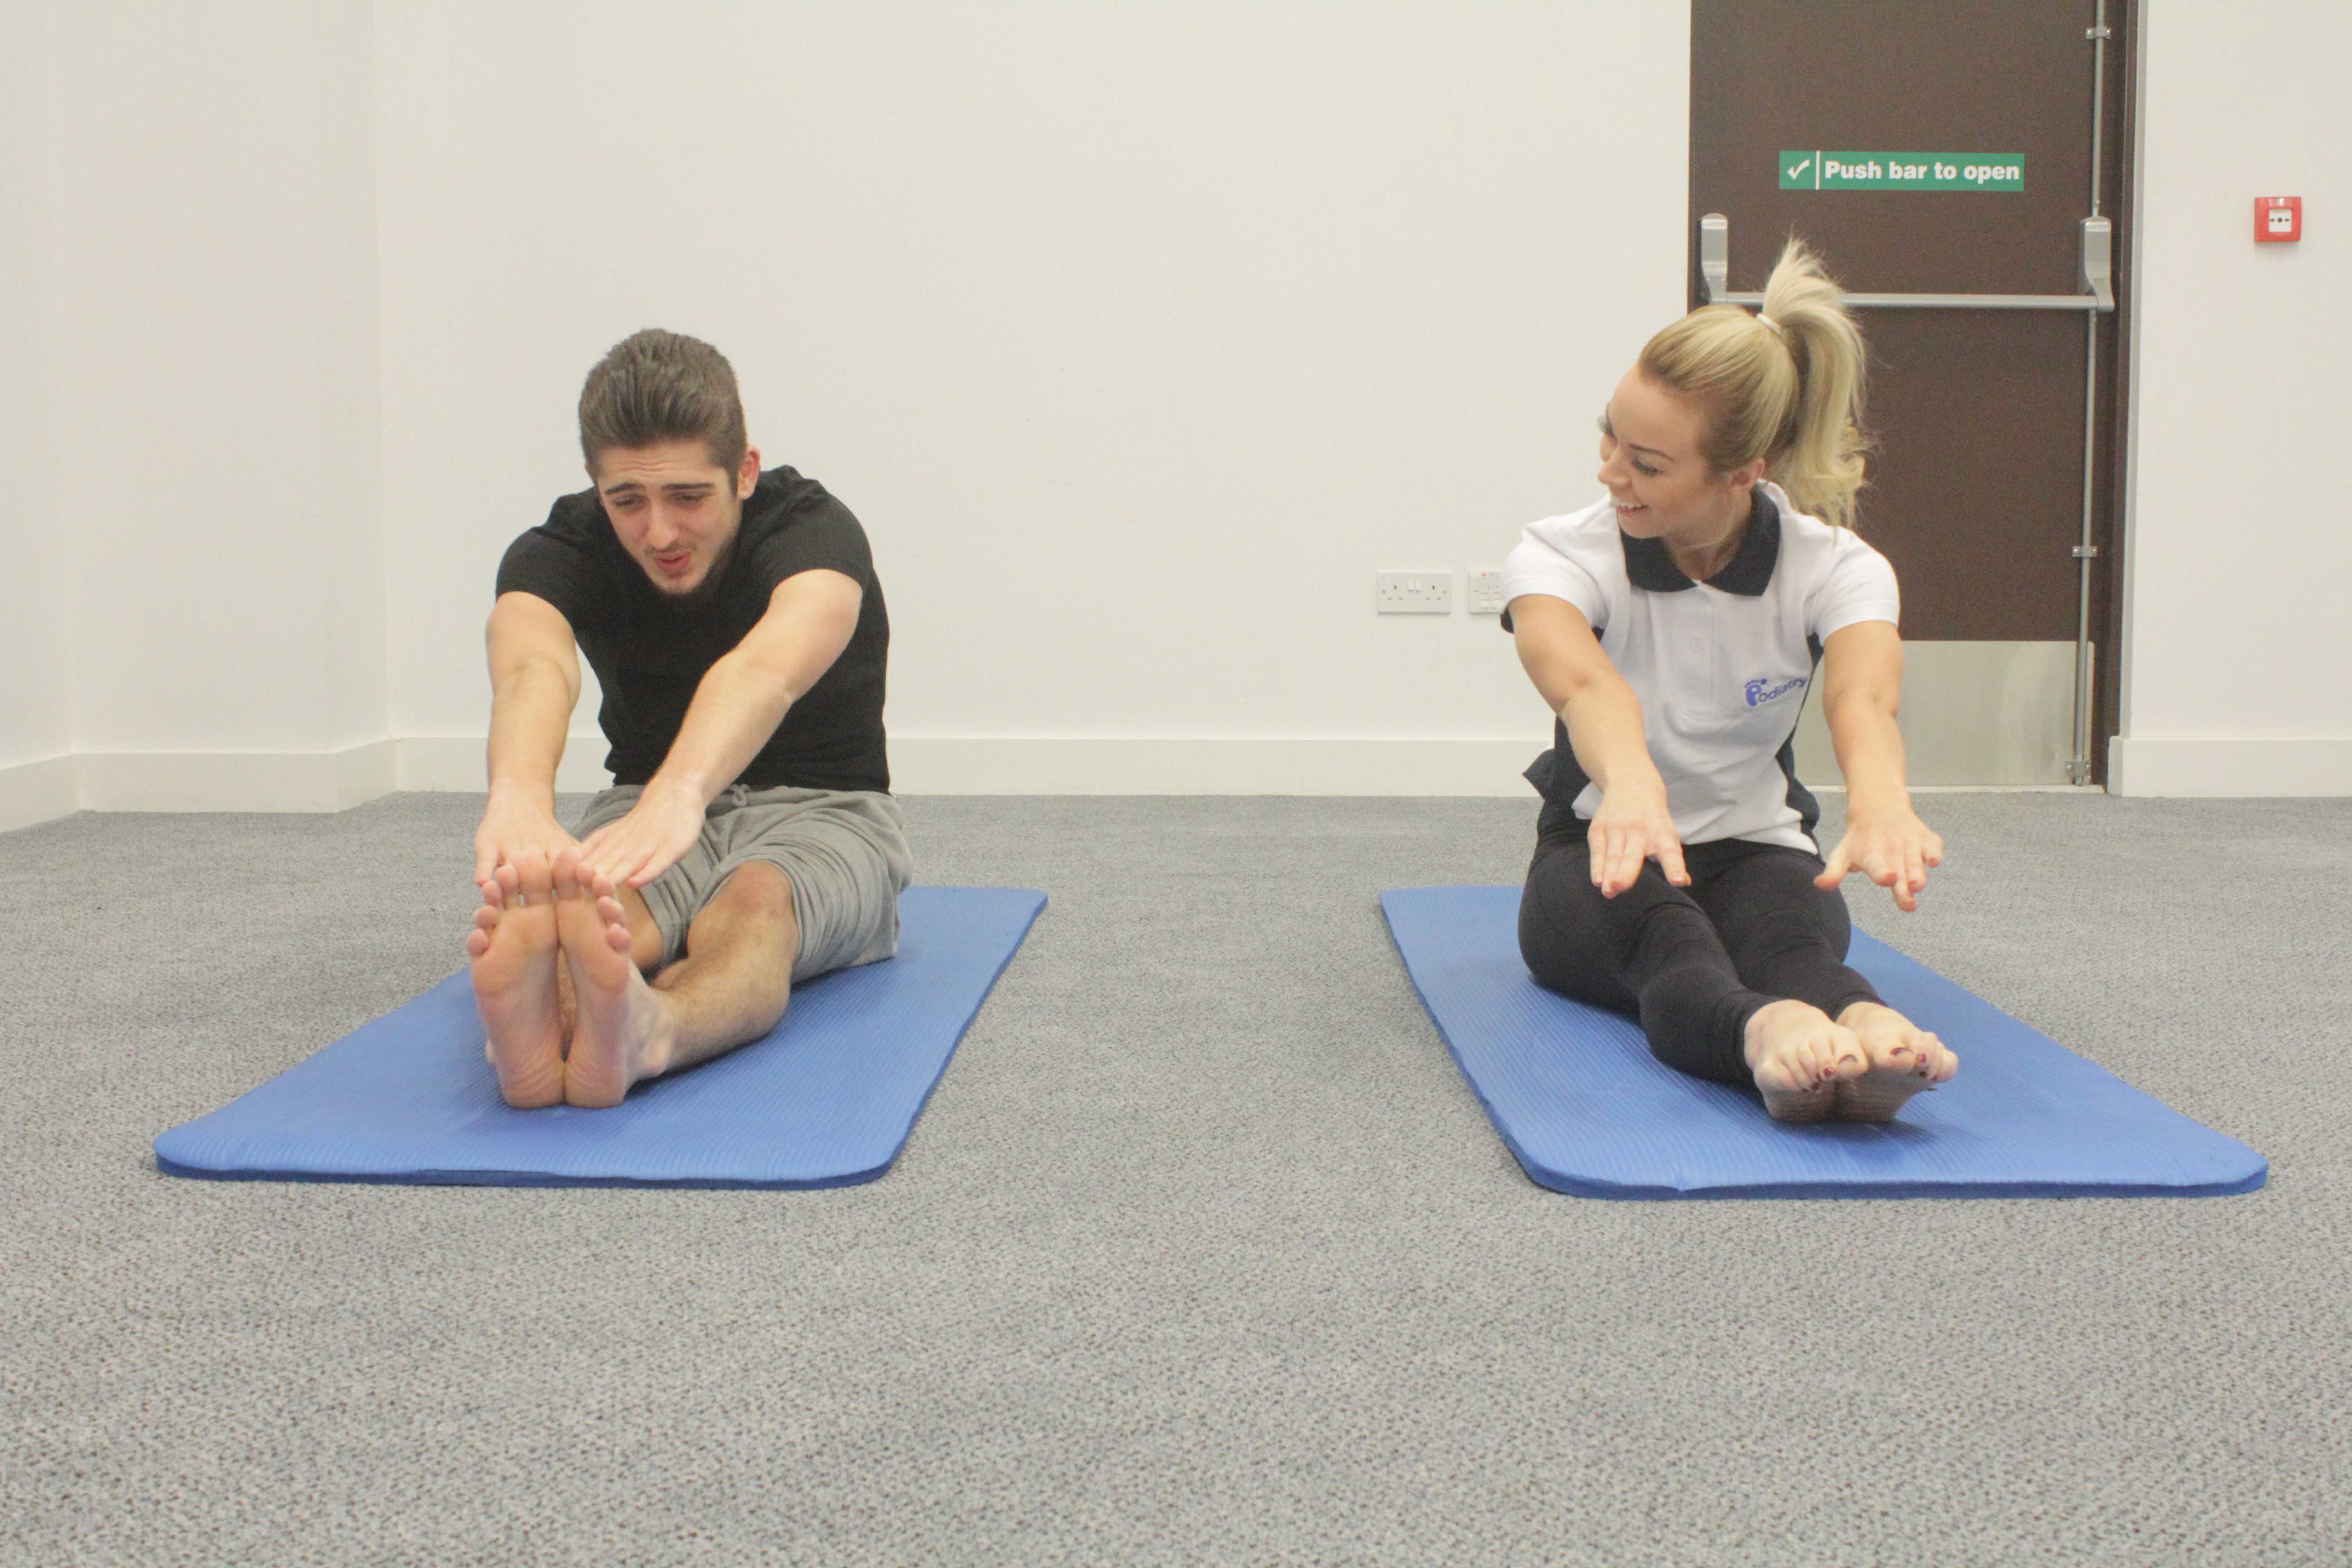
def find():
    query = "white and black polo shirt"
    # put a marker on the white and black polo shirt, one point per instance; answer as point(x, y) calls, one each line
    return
point(1721, 666)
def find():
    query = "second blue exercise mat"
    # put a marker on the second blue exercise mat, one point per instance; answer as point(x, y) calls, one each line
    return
point(826, 1099)
point(1587, 1109)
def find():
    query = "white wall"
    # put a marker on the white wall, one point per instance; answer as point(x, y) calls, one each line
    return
point(2235, 677)
point(37, 773)
point(1139, 337)
point(214, 390)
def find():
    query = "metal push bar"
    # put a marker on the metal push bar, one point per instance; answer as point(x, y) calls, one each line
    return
point(2098, 278)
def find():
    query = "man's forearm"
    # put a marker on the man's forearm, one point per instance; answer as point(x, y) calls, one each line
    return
point(530, 716)
point(736, 708)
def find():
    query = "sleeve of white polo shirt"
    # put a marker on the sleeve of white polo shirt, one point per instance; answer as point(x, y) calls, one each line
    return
point(1858, 586)
point(1540, 565)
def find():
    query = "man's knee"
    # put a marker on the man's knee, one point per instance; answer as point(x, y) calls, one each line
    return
point(755, 889)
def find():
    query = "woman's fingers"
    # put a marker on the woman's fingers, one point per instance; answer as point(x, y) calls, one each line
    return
point(1839, 863)
point(1670, 861)
point(1619, 847)
point(1624, 853)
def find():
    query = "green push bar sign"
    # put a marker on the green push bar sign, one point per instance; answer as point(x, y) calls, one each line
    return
point(1818, 171)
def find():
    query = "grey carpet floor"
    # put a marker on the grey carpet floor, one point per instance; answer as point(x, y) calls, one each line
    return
point(1202, 1252)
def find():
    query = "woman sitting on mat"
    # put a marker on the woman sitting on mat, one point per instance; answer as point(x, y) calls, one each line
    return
point(1675, 628)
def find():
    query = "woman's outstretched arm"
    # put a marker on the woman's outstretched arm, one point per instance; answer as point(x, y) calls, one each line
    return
point(1861, 686)
point(1603, 717)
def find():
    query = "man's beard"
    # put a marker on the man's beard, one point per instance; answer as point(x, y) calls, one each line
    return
point(704, 592)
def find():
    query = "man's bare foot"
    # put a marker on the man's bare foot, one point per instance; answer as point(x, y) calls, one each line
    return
point(621, 1027)
point(513, 948)
point(1799, 1058)
point(1904, 1059)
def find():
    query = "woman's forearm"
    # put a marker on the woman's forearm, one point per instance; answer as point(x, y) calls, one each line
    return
point(1605, 731)
point(1869, 745)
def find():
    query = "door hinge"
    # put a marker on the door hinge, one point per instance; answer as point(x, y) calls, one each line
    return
point(2085, 552)
point(2095, 34)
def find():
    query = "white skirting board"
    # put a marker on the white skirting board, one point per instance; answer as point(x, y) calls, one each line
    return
point(238, 781)
point(52, 788)
point(1221, 765)
point(39, 792)
point(2215, 766)
point(461, 762)
point(196, 780)
point(926, 764)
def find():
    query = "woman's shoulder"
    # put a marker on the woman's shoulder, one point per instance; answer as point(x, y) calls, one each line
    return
point(1823, 547)
point(1590, 532)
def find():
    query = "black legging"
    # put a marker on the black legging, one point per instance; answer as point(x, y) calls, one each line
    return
point(1693, 963)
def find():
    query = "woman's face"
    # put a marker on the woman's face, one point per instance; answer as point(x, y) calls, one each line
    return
point(1649, 460)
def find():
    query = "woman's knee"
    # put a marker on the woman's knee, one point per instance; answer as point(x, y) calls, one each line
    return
point(1565, 943)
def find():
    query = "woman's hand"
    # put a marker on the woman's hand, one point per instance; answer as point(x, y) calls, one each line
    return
point(1891, 847)
point(1633, 825)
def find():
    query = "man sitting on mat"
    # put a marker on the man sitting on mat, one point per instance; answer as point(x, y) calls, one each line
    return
point(1675, 628)
point(733, 620)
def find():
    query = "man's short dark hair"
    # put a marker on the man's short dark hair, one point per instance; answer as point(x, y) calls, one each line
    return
point(656, 386)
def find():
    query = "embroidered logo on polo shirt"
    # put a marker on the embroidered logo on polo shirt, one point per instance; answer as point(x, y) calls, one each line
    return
point(1759, 693)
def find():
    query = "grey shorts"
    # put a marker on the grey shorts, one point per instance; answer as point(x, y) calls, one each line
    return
point(846, 853)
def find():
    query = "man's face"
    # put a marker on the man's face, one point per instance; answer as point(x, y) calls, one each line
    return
point(674, 509)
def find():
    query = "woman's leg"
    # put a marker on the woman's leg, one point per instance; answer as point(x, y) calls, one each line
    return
point(1789, 938)
point(1786, 937)
point(1651, 950)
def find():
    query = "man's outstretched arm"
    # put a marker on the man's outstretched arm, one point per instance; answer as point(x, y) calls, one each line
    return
point(535, 685)
point(740, 700)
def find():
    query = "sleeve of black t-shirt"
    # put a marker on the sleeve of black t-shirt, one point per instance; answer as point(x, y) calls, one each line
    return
point(556, 562)
point(820, 536)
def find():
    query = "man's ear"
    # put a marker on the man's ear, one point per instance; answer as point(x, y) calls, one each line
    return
point(747, 474)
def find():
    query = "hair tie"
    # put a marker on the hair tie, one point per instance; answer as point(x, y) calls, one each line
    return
point(1773, 325)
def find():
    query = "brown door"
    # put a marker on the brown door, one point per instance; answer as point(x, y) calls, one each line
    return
point(1977, 491)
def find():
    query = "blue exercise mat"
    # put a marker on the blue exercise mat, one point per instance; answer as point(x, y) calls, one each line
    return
point(1587, 1109)
point(826, 1099)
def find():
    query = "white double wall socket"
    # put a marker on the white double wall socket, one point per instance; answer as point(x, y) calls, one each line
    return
point(1414, 593)
point(1486, 592)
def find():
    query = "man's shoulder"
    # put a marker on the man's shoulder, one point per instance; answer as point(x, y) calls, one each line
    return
point(577, 518)
point(566, 560)
point(577, 512)
point(784, 495)
point(791, 523)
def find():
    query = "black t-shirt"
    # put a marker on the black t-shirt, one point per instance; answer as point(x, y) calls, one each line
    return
point(650, 650)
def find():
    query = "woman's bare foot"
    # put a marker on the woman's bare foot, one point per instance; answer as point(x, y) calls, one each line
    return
point(513, 946)
point(1799, 1058)
point(1904, 1059)
point(620, 1028)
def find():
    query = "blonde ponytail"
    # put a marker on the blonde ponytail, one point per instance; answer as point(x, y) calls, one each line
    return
point(1786, 386)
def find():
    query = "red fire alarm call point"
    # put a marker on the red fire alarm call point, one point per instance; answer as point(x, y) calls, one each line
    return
point(2277, 219)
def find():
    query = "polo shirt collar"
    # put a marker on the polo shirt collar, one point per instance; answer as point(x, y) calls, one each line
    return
point(1649, 567)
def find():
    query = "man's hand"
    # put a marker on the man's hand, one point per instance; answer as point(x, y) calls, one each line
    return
point(657, 832)
point(1893, 848)
point(1633, 825)
point(512, 828)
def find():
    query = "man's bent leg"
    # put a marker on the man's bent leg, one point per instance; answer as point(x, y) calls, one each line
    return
point(736, 978)
point(729, 990)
